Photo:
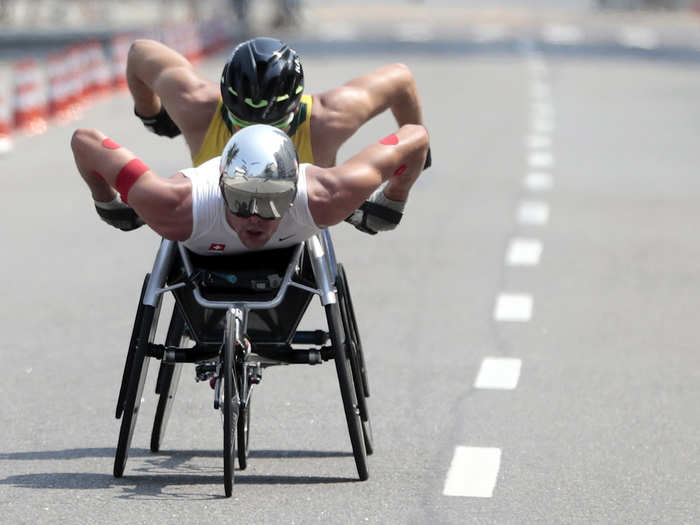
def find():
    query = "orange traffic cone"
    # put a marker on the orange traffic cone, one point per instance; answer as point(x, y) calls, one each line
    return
point(30, 108)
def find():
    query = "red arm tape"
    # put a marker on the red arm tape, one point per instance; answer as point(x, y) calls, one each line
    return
point(128, 176)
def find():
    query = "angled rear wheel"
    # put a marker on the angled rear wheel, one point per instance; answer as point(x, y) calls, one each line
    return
point(347, 388)
point(168, 379)
point(356, 357)
point(135, 373)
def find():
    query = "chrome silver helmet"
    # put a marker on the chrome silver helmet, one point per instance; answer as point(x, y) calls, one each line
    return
point(259, 169)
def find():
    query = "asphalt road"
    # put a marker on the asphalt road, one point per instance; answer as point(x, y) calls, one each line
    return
point(601, 424)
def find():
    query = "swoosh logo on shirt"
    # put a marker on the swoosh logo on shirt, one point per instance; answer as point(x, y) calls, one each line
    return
point(282, 239)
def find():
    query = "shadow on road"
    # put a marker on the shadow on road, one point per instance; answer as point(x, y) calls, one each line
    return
point(153, 474)
point(79, 453)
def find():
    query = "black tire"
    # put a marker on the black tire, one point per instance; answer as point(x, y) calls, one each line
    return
point(230, 407)
point(355, 330)
point(362, 402)
point(359, 373)
point(132, 350)
point(147, 325)
point(243, 442)
point(168, 379)
point(347, 388)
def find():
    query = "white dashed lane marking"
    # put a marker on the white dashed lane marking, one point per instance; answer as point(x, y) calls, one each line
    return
point(540, 159)
point(539, 141)
point(539, 181)
point(523, 252)
point(540, 91)
point(473, 472)
point(513, 307)
point(533, 213)
point(542, 109)
point(498, 373)
point(543, 125)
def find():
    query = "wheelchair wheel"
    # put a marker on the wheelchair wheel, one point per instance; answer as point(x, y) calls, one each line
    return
point(230, 406)
point(168, 378)
point(355, 355)
point(243, 424)
point(243, 433)
point(355, 331)
point(145, 326)
point(347, 388)
point(362, 403)
point(132, 349)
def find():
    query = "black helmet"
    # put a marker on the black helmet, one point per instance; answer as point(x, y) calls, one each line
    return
point(262, 81)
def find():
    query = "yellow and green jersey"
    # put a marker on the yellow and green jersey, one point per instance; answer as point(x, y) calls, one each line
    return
point(220, 130)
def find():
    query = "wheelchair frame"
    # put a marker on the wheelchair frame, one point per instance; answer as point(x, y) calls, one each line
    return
point(235, 363)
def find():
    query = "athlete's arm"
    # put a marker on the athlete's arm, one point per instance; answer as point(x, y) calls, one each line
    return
point(164, 204)
point(337, 114)
point(334, 193)
point(159, 76)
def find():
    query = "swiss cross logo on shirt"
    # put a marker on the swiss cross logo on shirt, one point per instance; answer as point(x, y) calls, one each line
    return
point(216, 247)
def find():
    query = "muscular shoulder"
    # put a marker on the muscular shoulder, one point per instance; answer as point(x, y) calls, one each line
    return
point(322, 188)
point(193, 107)
point(331, 123)
point(334, 108)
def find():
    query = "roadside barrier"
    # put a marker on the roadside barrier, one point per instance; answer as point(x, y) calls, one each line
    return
point(59, 78)
point(185, 40)
point(215, 36)
point(58, 88)
point(75, 81)
point(29, 97)
point(99, 73)
point(5, 123)
point(119, 52)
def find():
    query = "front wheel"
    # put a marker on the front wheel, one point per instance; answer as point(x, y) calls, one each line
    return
point(243, 434)
point(230, 407)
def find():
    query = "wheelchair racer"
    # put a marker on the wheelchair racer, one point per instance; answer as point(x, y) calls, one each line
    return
point(254, 196)
point(263, 82)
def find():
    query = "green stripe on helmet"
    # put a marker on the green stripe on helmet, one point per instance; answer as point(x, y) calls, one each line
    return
point(252, 104)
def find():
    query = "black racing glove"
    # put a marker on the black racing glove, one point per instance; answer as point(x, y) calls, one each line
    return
point(124, 218)
point(377, 213)
point(160, 124)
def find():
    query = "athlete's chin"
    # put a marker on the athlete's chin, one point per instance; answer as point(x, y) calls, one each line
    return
point(254, 240)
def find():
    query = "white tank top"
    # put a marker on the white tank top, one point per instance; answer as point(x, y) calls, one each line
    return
point(211, 232)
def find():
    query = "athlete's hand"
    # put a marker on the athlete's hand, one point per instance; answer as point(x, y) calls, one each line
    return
point(377, 213)
point(160, 124)
point(123, 217)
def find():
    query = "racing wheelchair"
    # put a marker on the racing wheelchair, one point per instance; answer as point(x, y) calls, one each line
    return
point(233, 317)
